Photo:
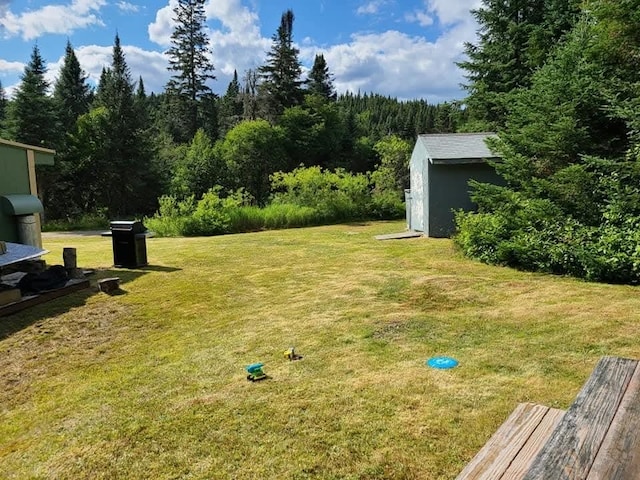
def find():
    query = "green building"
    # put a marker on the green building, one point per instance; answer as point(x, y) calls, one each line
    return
point(20, 206)
point(441, 166)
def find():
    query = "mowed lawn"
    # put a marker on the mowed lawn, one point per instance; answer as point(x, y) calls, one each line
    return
point(151, 384)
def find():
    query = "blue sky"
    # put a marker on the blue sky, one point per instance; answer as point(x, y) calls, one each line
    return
point(402, 48)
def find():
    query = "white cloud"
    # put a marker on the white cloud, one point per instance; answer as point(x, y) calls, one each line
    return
point(59, 19)
point(11, 67)
point(128, 7)
point(237, 45)
point(450, 12)
point(160, 30)
point(420, 18)
point(396, 64)
point(152, 66)
point(371, 8)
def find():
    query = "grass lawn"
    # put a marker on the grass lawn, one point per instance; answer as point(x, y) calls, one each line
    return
point(151, 383)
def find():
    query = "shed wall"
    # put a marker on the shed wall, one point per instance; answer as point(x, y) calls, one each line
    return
point(418, 183)
point(449, 191)
point(14, 179)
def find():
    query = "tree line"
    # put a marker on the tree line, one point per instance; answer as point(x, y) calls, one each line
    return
point(559, 81)
point(119, 149)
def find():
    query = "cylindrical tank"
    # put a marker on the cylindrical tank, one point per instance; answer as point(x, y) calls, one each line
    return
point(27, 230)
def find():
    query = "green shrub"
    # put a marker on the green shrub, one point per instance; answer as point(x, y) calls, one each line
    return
point(336, 196)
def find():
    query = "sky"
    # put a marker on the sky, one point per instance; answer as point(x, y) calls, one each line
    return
point(406, 49)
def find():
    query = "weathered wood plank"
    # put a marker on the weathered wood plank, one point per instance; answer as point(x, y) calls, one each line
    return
point(30, 301)
point(523, 461)
point(572, 448)
point(498, 453)
point(619, 455)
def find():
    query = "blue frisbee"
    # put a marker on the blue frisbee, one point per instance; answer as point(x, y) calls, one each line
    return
point(442, 363)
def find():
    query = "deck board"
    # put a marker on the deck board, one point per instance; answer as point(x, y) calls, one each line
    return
point(523, 461)
point(619, 454)
point(495, 458)
point(572, 448)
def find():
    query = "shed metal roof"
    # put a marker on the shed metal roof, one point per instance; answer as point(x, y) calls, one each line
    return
point(457, 147)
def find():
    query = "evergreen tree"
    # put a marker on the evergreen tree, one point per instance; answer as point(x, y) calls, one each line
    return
point(320, 80)
point(281, 84)
point(514, 40)
point(71, 92)
point(141, 94)
point(250, 95)
point(230, 112)
point(71, 97)
point(31, 117)
point(123, 153)
point(3, 108)
point(193, 68)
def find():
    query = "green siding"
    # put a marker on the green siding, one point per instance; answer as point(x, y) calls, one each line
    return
point(449, 191)
point(14, 179)
point(43, 158)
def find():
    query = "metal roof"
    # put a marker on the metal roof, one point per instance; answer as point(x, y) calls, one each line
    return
point(457, 147)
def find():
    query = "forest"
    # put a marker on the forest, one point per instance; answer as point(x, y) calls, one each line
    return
point(558, 80)
point(123, 153)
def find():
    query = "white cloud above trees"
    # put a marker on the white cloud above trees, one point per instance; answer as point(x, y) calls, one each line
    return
point(392, 62)
point(55, 18)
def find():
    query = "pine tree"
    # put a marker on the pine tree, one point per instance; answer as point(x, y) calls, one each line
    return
point(281, 84)
point(250, 95)
point(31, 116)
point(71, 92)
point(514, 40)
point(123, 153)
point(71, 98)
point(230, 112)
point(189, 60)
point(320, 81)
point(3, 108)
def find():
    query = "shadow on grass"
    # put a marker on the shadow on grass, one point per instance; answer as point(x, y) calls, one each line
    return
point(22, 319)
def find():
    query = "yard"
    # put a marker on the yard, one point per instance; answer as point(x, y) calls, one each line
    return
point(151, 383)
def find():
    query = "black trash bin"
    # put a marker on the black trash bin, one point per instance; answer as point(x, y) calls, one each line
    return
point(129, 244)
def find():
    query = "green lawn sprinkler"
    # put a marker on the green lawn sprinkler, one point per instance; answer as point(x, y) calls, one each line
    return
point(255, 372)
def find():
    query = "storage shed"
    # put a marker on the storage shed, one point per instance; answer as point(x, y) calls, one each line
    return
point(440, 169)
point(20, 206)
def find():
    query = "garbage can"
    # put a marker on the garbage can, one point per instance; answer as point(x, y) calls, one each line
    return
point(129, 244)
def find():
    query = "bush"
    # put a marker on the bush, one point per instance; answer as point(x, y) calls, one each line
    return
point(336, 196)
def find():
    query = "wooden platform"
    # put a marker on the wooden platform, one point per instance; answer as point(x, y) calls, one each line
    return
point(399, 236)
point(598, 438)
point(31, 300)
point(511, 450)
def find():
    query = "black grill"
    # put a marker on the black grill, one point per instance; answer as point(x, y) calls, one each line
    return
point(129, 243)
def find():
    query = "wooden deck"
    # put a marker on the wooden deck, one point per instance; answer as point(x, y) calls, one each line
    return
point(598, 438)
point(31, 300)
point(511, 450)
